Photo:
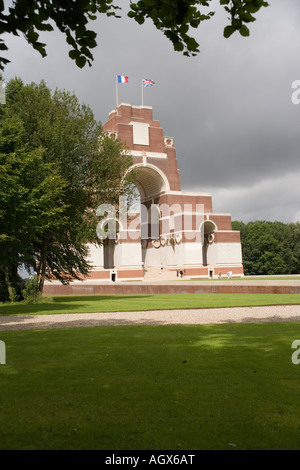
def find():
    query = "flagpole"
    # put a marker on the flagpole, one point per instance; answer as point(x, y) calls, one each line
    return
point(142, 94)
point(117, 98)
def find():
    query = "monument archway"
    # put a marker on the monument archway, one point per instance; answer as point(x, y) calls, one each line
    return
point(189, 235)
point(150, 181)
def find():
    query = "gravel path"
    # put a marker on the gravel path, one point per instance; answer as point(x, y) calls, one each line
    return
point(156, 317)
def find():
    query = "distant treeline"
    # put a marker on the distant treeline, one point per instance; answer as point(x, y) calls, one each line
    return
point(270, 247)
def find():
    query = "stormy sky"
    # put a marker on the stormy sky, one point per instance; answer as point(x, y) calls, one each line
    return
point(229, 109)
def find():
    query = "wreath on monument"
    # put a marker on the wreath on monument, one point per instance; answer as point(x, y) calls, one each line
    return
point(178, 238)
point(163, 241)
point(172, 241)
point(210, 238)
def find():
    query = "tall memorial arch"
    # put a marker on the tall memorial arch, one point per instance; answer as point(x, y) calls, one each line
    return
point(174, 230)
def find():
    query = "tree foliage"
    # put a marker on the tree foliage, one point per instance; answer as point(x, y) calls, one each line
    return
point(56, 167)
point(270, 247)
point(30, 195)
point(173, 18)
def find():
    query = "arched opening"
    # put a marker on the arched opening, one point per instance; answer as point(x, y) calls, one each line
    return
point(149, 180)
point(207, 234)
point(134, 205)
point(154, 222)
point(148, 183)
point(111, 229)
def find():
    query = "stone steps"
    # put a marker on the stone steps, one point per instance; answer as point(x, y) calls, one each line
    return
point(156, 274)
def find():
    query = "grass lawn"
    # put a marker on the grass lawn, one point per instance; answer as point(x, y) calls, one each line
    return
point(114, 303)
point(230, 386)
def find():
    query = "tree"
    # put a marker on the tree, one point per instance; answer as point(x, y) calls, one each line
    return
point(84, 166)
point(295, 228)
point(261, 250)
point(270, 247)
point(284, 235)
point(30, 195)
point(173, 17)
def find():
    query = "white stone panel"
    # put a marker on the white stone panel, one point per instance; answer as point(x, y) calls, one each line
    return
point(213, 253)
point(154, 257)
point(140, 133)
point(171, 255)
point(95, 255)
point(129, 254)
point(179, 255)
point(139, 153)
point(192, 253)
point(227, 253)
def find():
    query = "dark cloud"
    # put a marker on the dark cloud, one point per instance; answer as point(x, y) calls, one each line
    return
point(229, 109)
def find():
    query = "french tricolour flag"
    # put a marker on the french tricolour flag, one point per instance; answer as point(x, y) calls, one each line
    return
point(122, 79)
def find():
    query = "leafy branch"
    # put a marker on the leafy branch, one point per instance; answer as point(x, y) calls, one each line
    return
point(173, 18)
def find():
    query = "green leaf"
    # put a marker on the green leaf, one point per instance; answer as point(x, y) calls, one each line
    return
point(140, 19)
point(236, 23)
point(247, 18)
point(32, 36)
point(244, 31)
point(44, 27)
point(40, 47)
point(73, 54)
point(90, 34)
point(251, 8)
point(184, 29)
point(178, 46)
point(80, 61)
point(228, 31)
point(192, 44)
point(85, 51)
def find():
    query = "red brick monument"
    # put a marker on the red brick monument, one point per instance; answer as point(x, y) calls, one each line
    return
point(176, 232)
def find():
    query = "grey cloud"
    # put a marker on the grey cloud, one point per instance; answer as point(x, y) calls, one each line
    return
point(268, 199)
point(229, 109)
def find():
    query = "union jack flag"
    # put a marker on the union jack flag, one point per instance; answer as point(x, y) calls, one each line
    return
point(147, 82)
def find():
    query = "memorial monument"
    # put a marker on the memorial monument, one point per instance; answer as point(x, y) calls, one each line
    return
point(175, 233)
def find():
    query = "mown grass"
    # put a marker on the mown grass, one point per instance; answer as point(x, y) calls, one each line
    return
point(114, 303)
point(230, 386)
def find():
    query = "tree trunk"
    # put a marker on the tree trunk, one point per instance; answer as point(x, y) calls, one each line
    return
point(42, 267)
point(9, 286)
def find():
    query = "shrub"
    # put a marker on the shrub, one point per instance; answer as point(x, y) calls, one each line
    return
point(30, 292)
